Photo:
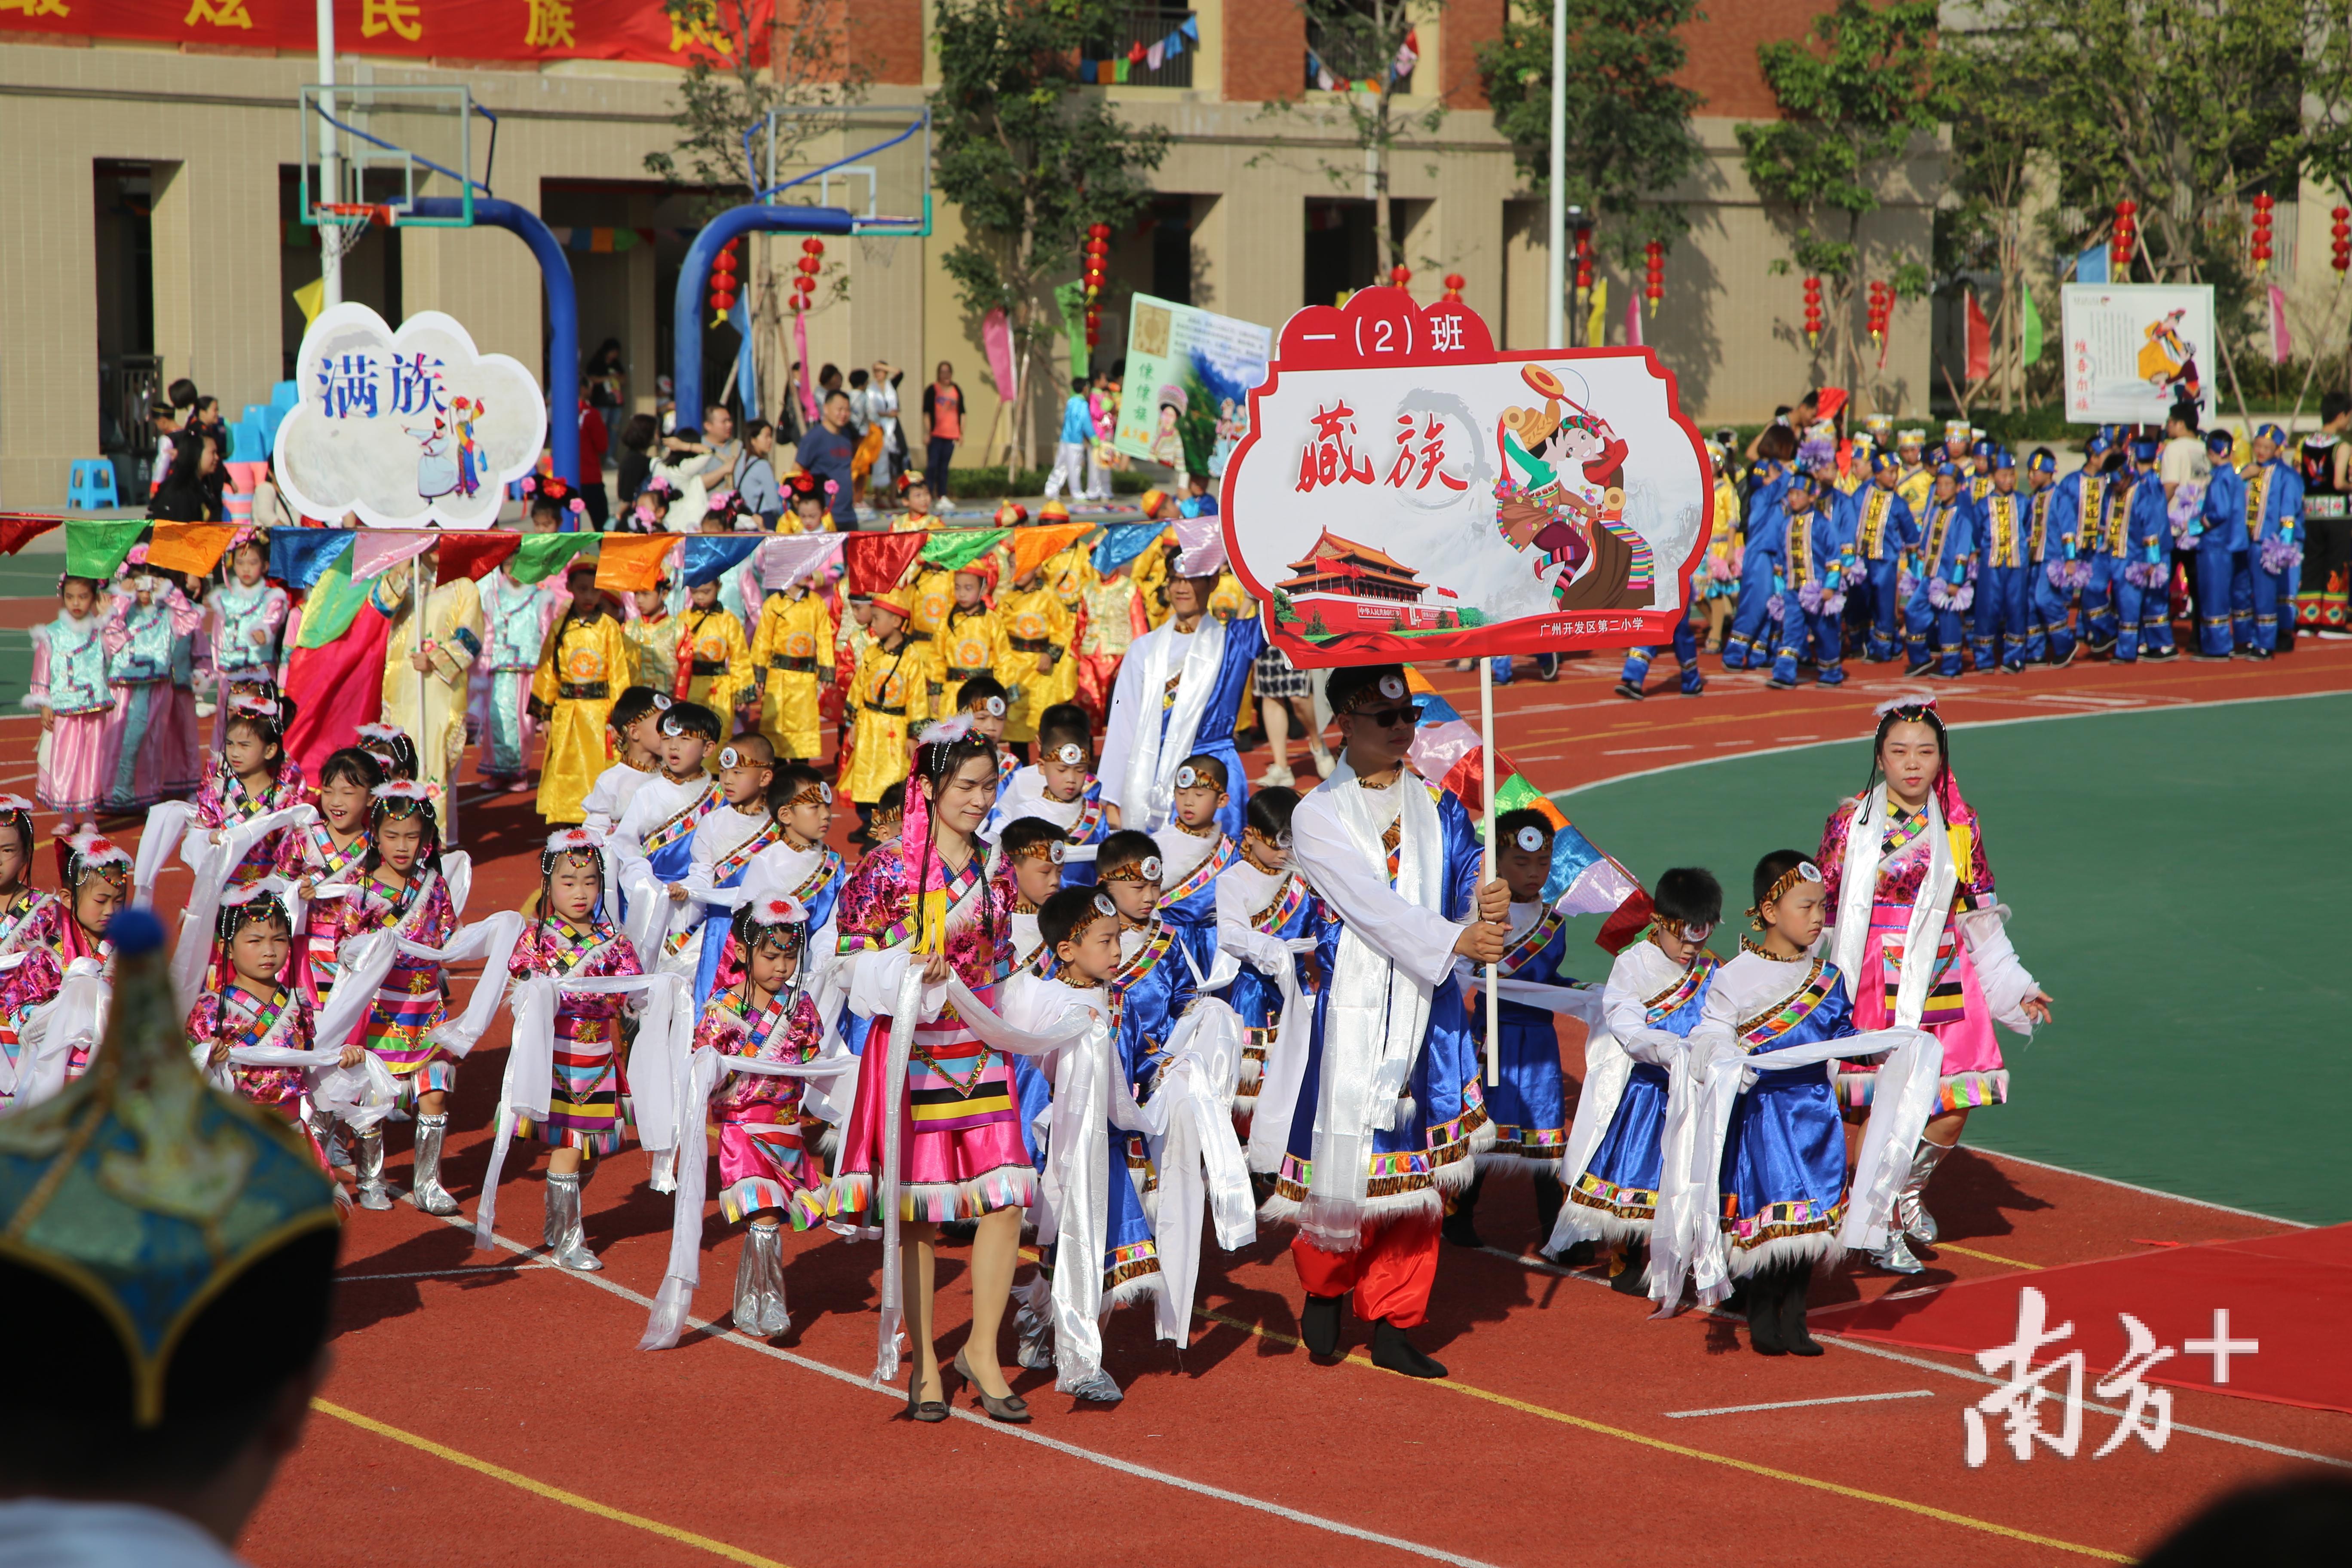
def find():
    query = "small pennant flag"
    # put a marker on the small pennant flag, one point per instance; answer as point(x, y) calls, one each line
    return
point(958, 547)
point(18, 529)
point(193, 547)
point(876, 562)
point(710, 556)
point(542, 556)
point(1033, 547)
point(298, 557)
point(631, 563)
point(375, 550)
point(475, 552)
point(96, 549)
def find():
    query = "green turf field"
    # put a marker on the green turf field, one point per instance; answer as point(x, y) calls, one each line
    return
point(2173, 874)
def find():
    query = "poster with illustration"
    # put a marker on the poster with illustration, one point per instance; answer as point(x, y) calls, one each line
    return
point(1405, 490)
point(2134, 350)
point(1185, 401)
point(405, 427)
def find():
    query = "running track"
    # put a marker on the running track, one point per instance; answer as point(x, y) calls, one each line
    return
point(484, 1409)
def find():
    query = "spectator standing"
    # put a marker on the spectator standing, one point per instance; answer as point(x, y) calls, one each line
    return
point(606, 379)
point(1077, 434)
point(828, 451)
point(637, 454)
point(718, 436)
point(594, 438)
point(943, 419)
point(882, 415)
point(755, 473)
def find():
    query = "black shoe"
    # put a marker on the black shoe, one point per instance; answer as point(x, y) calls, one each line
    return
point(1764, 1315)
point(2072, 649)
point(1461, 1228)
point(1777, 684)
point(1549, 1197)
point(1631, 692)
point(1580, 1255)
point(1629, 1270)
point(1793, 1333)
point(1319, 1325)
point(1393, 1351)
point(2160, 655)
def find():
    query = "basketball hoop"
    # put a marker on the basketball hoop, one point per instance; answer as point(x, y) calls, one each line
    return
point(342, 225)
point(880, 250)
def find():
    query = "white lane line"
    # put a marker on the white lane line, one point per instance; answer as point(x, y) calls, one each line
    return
point(1800, 1403)
point(445, 1273)
point(1643, 750)
point(1141, 1472)
point(2129, 1187)
point(1837, 1341)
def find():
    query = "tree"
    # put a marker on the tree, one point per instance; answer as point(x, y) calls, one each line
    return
point(1852, 95)
point(1992, 89)
point(1628, 134)
point(1368, 51)
point(742, 67)
point(1032, 160)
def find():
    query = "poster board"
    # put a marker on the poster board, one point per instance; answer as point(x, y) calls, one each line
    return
point(1407, 491)
point(2133, 350)
point(1185, 401)
point(405, 428)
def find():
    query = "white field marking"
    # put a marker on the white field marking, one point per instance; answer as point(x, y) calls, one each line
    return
point(1838, 1342)
point(1022, 1434)
point(1643, 750)
point(1800, 1403)
point(445, 1273)
point(1858, 738)
point(2129, 1187)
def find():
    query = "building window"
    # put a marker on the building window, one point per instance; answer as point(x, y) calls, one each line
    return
point(1347, 43)
point(1150, 26)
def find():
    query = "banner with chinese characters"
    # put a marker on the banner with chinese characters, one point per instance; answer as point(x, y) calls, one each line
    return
point(2134, 350)
point(1407, 491)
point(405, 428)
point(449, 29)
point(1185, 401)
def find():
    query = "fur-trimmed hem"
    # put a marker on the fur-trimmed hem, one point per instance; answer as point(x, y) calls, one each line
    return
point(1132, 1292)
point(1813, 1249)
point(1377, 1211)
point(1244, 1103)
point(851, 1196)
point(1588, 1224)
point(1513, 1162)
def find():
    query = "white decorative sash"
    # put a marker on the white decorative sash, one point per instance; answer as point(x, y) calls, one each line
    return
point(1864, 845)
point(1148, 793)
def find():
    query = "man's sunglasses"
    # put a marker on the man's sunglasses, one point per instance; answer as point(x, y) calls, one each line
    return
point(1387, 717)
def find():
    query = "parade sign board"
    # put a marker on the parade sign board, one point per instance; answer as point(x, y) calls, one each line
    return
point(2133, 350)
point(1407, 491)
point(1185, 401)
point(405, 428)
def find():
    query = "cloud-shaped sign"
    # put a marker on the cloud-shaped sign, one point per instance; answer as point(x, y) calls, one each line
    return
point(405, 427)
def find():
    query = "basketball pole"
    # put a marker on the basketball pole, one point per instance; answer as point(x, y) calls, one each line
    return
point(1486, 796)
point(331, 186)
point(1555, 263)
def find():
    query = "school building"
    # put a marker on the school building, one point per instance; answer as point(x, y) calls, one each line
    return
point(148, 215)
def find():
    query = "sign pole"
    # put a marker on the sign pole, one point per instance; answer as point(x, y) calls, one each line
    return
point(1486, 795)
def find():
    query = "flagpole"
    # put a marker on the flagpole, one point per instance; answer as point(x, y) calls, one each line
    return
point(1486, 795)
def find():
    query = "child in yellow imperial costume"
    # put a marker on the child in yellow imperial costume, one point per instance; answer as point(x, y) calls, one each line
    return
point(969, 640)
point(581, 670)
point(891, 694)
point(1039, 631)
point(714, 657)
point(792, 656)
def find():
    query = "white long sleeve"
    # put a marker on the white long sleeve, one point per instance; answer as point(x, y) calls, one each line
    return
point(1119, 734)
point(1418, 941)
point(1640, 973)
point(1242, 890)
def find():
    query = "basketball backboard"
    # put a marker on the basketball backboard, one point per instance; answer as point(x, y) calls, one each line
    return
point(872, 159)
point(423, 137)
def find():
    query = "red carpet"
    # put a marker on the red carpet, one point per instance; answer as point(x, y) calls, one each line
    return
point(2291, 1293)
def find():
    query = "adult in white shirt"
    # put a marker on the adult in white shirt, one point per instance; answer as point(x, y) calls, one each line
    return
point(2184, 460)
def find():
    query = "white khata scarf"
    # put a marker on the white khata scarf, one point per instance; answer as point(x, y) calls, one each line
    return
point(1865, 841)
point(1148, 793)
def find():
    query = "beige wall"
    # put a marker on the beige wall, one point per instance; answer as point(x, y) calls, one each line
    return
point(225, 125)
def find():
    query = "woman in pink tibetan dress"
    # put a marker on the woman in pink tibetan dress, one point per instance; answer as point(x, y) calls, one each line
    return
point(960, 1154)
point(1907, 856)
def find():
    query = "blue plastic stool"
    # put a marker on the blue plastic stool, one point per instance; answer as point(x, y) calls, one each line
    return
point(91, 488)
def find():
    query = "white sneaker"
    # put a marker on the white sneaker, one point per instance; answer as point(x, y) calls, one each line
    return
point(1276, 774)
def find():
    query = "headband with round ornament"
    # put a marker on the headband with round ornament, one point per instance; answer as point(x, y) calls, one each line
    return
point(1070, 754)
point(573, 845)
point(1053, 851)
point(1357, 687)
point(1146, 870)
point(818, 792)
point(1099, 908)
point(1803, 871)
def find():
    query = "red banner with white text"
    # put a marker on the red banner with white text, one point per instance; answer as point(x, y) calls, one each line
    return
point(444, 29)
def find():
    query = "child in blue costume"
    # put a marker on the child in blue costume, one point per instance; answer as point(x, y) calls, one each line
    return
point(1884, 531)
point(2075, 580)
point(1529, 1107)
point(1396, 860)
point(653, 841)
point(2138, 548)
point(2219, 538)
point(2266, 576)
point(1656, 992)
point(795, 864)
point(1263, 905)
point(2034, 482)
point(1946, 586)
point(2004, 549)
point(1194, 851)
point(1030, 852)
point(726, 842)
point(1060, 787)
point(1761, 552)
point(1812, 596)
point(1782, 1174)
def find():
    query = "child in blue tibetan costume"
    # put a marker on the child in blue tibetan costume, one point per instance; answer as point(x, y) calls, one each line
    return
point(2138, 557)
point(2217, 536)
point(1884, 530)
point(1194, 851)
point(2266, 576)
point(653, 841)
point(727, 841)
point(1530, 1106)
point(2002, 548)
point(1263, 905)
point(1781, 1175)
point(1030, 852)
point(1812, 596)
point(1946, 584)
point(2034, 482)
point(1760, 558)
point(2071, 585)
point(1656, 994)
point(1060, 787)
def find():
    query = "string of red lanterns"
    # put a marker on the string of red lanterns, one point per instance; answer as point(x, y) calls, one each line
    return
point(1583, 260)
point(1097, 263)
point(811, 263)
point(1653, 286)
point(2261, 249)
point(1812, 312)
point(1400, 274)
point(1454, 284)
point(2123, 244)
point(724, 285)
point(2342, 234)
point(1881, 308)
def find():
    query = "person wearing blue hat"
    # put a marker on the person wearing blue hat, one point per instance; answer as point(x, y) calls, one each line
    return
point(1747, 644)
point(1946, 586)
point(2215, 541)
point(2036, 479)
point(1979, 470)
point(1811, 601)
point(2137, 552)
point(2077, 505)
point(1998, 628)
point(2263, 579)
point(1882, 530)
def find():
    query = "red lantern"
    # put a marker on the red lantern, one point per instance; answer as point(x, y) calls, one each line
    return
point(1654, 282)
point(1583, 260)
point(1098, 231)
point(1399, 276)
point(2340, 234)
point(2124, 242)
point(1812, 310)
point(1454, 287)
point(813, 246)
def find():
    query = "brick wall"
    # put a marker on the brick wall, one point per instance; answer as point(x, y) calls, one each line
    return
point(1722, 62)
point(1469, 23)
point(1265, 50)
point(887, 37)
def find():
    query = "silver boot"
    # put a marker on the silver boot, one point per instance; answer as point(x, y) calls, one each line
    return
point(1099, 1388)
point(565, 1245)
point(1895, 1255)
point(1034, 1332)
point(760, 1284)
point(425, 1189)
point(1910, 1206)
point(367, 1163)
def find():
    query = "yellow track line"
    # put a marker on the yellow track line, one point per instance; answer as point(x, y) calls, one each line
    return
point(540, 1489)
point(1683, 1451)
point(1988, 1256)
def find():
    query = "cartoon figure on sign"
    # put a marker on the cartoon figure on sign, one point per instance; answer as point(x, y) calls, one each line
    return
point(1562, 497)
point(470, 452)
point(436, 471)
point(1167, 442)
point(2168, 360)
